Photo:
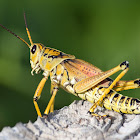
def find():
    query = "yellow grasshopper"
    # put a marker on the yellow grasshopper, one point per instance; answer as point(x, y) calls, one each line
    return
point(80, 78)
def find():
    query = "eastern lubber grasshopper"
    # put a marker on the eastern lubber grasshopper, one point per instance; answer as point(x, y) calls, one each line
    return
point(80, 78)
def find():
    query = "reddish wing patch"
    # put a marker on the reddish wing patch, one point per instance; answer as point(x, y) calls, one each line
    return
point(86, 68)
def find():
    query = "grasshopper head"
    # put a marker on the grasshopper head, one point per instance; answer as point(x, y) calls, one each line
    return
point(45, 62)
point(35, 53)
point(35, 49)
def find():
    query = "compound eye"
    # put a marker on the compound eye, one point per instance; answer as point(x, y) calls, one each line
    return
point(33, 49)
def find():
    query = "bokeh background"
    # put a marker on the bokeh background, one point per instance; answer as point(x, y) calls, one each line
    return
point(104, 33)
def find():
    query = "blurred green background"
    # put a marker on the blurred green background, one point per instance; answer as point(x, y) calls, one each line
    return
point(104, 33)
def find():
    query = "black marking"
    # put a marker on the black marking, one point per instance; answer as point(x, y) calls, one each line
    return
point(83, 101)
point(52, 56)
point(111, 91)
point(108, 96)
point(138, 101)
point(121, 112)
point(105, 98)
point(122, 97)
point(127, 101)
point(35, 99)
point(55, 71)
point(48, 51)
point(85, 97)
point(126, 63)
point(61, 54)
point(33, 49)
point(137, 108)
point(110, 81)
point(121, 100)
point(111, 99)
point(44, 47)
point(132, 102)
point(137, 82)
point(56, 88)
point(115, 98)
point(66, 61)
point(45, 54)
point(67, 74)
point(112, 109)
point(116, 95)
point(89, 112)
point(99, 89)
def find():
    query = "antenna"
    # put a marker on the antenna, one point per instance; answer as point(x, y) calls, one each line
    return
point(28, 33)
point(15, 35)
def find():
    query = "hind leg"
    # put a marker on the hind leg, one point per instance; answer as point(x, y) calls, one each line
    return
point(126, 85)
point(124, 66)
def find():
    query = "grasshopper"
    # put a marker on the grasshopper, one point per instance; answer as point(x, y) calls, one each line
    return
point(80, 78)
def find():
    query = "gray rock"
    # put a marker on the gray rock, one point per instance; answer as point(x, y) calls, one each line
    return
point(74, 123)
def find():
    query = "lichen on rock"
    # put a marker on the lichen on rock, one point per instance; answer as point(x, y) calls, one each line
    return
point(73, 122)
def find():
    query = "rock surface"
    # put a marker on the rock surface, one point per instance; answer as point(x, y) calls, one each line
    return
point(73, 123)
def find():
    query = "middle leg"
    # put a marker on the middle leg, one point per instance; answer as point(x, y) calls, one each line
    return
point(50, 107)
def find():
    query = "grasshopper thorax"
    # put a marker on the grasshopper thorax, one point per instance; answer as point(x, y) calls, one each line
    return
point(46, 58)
